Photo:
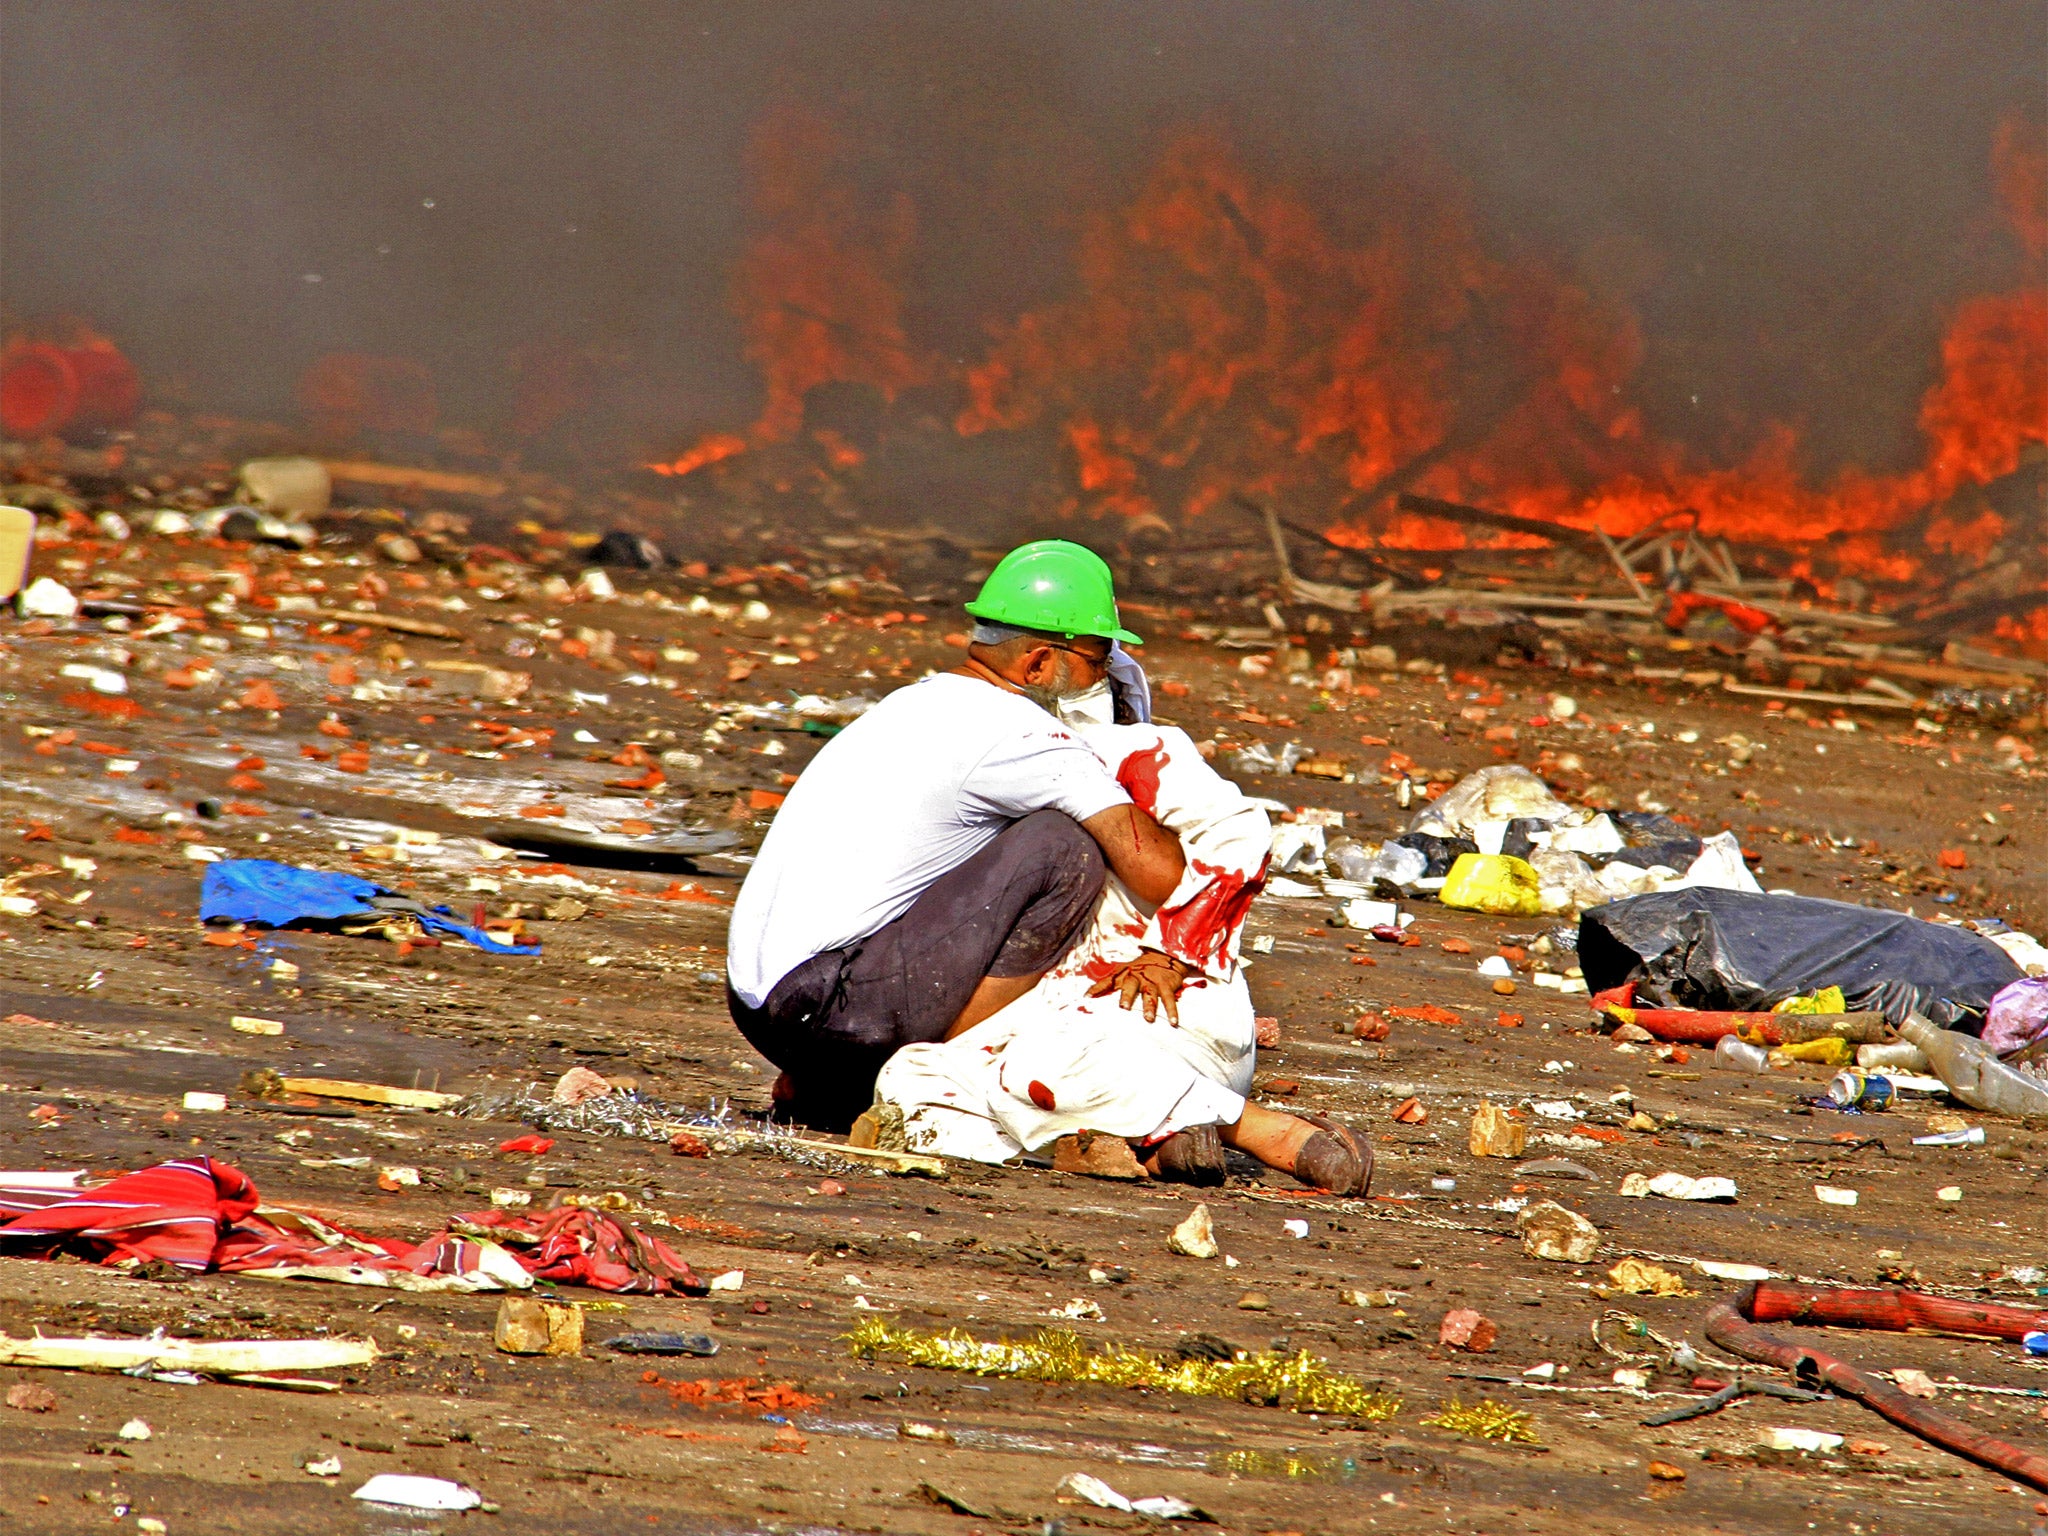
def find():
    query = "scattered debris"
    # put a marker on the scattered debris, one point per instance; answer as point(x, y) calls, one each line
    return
point(1195, 1237)
point(1639, 1277)
point(30, 1398)
point(1550, 1231)
point(1679, 1186)
point(1096, 1155)
point(1463, 1328)
point(1485, 1420)
point(579, 1085)
point(399, 1490)
point(281, 896)
point(529, 1325)
point(699, 1344)
point(365, 1093)
point(1495, 1133)
point(206, 1357)
point(1079, 1487)
point(1298, 1381)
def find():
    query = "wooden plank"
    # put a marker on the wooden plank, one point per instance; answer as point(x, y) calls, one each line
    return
point(1628, 571)
point(1917, 671)
point(228, 1357)
point(1793, 613)
point(1454, 597)
point(1506, 522)
point(370, 1093)
point(1813, 696)
point(1956, 654)
point(407, 477)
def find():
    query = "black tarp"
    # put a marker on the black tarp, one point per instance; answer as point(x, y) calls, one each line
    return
point(1733, 950)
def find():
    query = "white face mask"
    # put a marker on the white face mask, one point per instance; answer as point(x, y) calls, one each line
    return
point(1096, 706)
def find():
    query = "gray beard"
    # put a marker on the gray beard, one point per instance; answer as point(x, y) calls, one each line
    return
point(1049, 699)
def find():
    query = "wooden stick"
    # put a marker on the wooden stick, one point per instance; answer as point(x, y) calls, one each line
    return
point(1453, 597)
point(1956, 654)
point(1888, 688)
point(1279, 544)
point(1627, 570)
point(230, 1357)
point(1323, 594)
point(1881, 666)
point(404, 626)
point(739, 1139)
point(1811, 696)
point(369, 1093)
point(1730, 571)
point(892, 1162)
point(1507, 522)
point(1792, 613)
point(408, 478)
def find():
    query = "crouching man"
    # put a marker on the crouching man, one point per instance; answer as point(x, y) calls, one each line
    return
point(945, 850)
point(1085, 1050)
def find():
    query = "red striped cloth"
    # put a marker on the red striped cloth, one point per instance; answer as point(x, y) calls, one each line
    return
point(199, 1214)
point(176, 1212)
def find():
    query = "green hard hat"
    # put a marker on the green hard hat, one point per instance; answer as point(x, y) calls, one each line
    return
point(1054, 586)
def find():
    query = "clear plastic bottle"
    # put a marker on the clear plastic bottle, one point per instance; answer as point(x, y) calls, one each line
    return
point(1737, 1055)
point(1974, 1073)
point(1891, 1056)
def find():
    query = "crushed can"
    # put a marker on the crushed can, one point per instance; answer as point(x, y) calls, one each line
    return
point(1870, 1092)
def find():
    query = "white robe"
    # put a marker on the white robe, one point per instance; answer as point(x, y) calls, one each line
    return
point(1058, 1061)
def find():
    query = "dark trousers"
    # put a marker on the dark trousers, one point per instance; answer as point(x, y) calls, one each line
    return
point(1012, 910)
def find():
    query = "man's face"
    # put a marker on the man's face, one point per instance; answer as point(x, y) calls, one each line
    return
point(1064, 670)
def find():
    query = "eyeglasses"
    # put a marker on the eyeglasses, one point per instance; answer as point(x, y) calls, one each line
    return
point(1096, 663)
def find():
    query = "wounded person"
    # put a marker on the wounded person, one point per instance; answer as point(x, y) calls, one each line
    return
point(1032, 919)
point(1072, 1055)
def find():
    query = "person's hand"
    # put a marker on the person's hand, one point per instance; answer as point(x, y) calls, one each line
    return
point(1153, 976)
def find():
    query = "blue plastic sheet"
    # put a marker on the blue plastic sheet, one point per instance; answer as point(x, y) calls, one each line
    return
point(278, 895)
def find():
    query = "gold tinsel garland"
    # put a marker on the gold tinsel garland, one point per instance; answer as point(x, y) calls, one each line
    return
point(1301, 1382)
point(1485, 1420)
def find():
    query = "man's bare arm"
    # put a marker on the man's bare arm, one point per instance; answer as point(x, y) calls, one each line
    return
point(1144, 855)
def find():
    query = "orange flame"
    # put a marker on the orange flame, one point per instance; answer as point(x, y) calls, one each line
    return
point(818, 290)
point(1223, 338)
point(709, 450)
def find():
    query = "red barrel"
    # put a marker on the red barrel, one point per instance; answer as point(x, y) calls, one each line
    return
point(47, 388)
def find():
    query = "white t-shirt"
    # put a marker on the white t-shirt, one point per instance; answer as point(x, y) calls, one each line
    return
point(915, 787)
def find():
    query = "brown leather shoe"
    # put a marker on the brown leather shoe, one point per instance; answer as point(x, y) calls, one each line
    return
point(1334, 1159)
point(1193, 1156)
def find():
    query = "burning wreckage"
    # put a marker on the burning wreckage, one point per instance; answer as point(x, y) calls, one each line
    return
point(1601, 917)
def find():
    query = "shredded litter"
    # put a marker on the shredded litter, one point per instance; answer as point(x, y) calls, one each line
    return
point(1301, 1382)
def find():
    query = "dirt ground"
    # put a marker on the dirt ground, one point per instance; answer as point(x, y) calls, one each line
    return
point(116, 1006)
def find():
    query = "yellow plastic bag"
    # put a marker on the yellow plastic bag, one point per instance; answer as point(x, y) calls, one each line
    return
point(1826, 1000)
point(1827, 1051)
point(1493, 882)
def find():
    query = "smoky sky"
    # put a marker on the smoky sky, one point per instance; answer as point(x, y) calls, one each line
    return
point(1791, 194)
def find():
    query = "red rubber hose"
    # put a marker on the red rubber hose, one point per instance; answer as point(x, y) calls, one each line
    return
point(1732, 1325)
point(1851, 1307)
point(1692, 1026)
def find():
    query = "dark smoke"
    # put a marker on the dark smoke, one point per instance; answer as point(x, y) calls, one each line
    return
point(1789, 192)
